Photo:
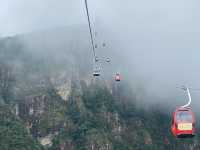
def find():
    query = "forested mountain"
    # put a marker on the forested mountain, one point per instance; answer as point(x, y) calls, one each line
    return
point(49, 100)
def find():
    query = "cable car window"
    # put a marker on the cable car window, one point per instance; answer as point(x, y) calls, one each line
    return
point(183, 116)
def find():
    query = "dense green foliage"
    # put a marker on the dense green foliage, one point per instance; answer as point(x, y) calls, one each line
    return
point(96, 116)
point(92, 118)
point(13, 134)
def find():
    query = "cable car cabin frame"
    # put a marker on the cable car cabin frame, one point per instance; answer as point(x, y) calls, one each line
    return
point(183, 128)
point(117, 77)
point(96, 72)
point(108, 60)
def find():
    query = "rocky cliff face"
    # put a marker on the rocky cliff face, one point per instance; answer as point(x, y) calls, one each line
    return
point(63, 107)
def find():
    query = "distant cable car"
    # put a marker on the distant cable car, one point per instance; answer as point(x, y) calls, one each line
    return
point(117, 77)
point(108, 60)
point(97, 71)
point(96, 59)
point(183, 123)
point(183, 120)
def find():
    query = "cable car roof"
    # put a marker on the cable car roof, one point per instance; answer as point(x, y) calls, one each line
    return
point(183, 109)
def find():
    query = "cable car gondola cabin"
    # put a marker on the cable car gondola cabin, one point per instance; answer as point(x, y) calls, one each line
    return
point(117, 77)
point(96, 72)
point(107, 60)
point(183, 123)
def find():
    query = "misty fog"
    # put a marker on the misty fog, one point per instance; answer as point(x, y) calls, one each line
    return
point(153, 44)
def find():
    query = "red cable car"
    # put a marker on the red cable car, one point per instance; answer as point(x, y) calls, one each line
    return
point(117, 77)
point(183, 123)
point(183, 120)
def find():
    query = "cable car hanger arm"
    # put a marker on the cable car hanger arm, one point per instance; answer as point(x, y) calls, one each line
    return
point(189, 97)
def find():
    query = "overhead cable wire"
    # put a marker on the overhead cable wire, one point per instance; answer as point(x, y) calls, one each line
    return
point(90, 28)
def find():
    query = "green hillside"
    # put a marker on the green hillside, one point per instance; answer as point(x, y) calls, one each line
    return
point(69, 110)
point(97, 120)
point(13, 134)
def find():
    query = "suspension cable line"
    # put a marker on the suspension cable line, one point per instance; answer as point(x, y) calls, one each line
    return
point(90, 28)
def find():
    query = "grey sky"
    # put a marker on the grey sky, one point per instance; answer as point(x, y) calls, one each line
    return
point(19, 16)
point(22, 15)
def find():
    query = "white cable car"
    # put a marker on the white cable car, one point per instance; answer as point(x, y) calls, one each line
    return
point(97, 71)
point(108, 60)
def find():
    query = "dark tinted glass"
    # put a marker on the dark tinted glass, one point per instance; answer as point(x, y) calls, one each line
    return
point(184, 116)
